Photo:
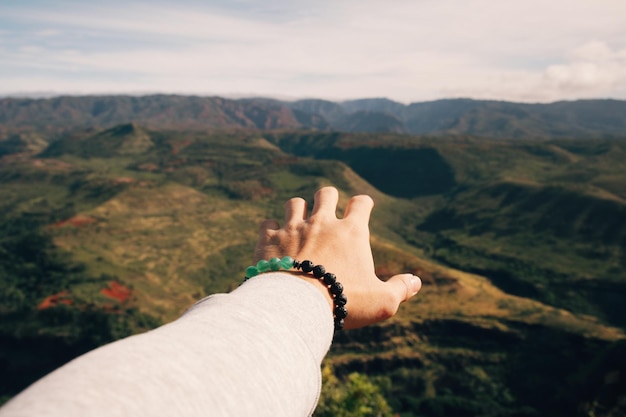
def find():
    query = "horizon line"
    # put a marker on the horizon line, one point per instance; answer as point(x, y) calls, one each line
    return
point(43, 95)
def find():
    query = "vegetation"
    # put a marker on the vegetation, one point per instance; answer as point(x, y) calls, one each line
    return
point(484, 118)
point(43, 321)
point(520, 245)
point(353, 396)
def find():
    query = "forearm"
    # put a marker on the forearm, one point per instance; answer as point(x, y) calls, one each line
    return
point(255, 351)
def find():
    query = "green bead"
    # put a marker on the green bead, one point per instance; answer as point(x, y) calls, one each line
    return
point(275, 264)
point(263, 266)
point(287, 262)
point(251, 271)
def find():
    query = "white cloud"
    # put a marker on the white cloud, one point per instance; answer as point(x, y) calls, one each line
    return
point(594, 69)
point(407, 50)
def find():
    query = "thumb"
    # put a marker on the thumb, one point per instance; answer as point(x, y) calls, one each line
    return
point(405, 286)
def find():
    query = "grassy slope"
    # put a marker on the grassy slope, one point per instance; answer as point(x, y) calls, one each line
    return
point(178, 221)
point(543, 219)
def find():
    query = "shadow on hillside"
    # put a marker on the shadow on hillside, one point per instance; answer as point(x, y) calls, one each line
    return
point(405, 173)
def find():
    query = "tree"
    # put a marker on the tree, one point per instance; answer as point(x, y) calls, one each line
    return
point(355, 396)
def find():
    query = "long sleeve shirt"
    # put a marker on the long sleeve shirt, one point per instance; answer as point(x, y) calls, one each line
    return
point(253, 352)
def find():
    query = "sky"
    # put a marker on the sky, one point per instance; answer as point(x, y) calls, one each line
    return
point(405, 50)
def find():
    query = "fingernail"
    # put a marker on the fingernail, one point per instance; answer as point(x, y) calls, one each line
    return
point(416, 284)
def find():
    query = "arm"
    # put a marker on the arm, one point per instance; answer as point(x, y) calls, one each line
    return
point(255, 351)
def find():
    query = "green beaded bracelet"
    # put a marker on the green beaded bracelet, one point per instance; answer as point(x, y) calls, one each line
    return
point(274, 264)
point(328, 279)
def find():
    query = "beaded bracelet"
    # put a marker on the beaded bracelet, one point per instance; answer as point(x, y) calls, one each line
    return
point(340, 312)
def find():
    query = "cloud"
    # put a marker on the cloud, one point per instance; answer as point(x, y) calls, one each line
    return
point(407, 50)
point(594, 67)
point(590, 70)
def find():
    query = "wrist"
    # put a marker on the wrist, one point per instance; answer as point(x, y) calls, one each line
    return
point(294, 305)
point(324, 281)
point(317, 284)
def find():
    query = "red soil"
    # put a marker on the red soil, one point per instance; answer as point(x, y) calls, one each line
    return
point(52, 164)
point(76, 221)
point(117, 291)
point(54, 300)
point(124, 180)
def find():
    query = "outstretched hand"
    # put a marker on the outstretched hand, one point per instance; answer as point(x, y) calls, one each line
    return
point(342, 246)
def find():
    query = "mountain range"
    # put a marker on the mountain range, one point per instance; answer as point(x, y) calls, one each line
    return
point(108, 229)
point(493, 119)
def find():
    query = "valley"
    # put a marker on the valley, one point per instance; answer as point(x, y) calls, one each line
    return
point(520, 244)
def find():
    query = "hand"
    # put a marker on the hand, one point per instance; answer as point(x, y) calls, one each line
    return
point(342, 246)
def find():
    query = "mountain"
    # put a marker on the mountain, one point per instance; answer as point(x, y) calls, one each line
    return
point(480, 118)
point(377, 105)
point(369, 121)
point(120, 140)
point(328, 110)
point(520, 244)
point(22, 142)
point(152, 111)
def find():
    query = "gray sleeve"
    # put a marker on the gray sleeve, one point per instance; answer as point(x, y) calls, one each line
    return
point(253, 352)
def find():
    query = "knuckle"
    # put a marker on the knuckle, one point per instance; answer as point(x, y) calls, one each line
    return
point(315, 221)
point(267, 235)
point(292, 227)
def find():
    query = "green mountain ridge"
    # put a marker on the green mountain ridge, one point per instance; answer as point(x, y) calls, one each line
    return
point(121, 140)
point(482, 118)
point(520, 245)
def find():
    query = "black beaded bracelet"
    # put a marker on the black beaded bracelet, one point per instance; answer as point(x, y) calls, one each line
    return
point(328, 279)
point(335, 288)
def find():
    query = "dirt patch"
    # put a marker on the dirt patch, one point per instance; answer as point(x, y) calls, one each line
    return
point(124, 180)
point(76, 221)
point(54, 300)
point(52, 165)
point(117, 291)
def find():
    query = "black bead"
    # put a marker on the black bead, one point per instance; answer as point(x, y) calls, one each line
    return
point(339, 324)
point(296, 264)
point(341, 312)
point(307, 266)
point(341, 300)
point(319, 271)
point(336, 288)
point(329, 278)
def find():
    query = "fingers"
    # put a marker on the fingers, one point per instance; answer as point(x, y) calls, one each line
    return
point(404, 286)
point(359, 208)
point(295, 211)
point(325, 202)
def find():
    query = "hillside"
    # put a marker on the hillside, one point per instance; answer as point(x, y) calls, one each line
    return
point(481, 118)
point(520, 245)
